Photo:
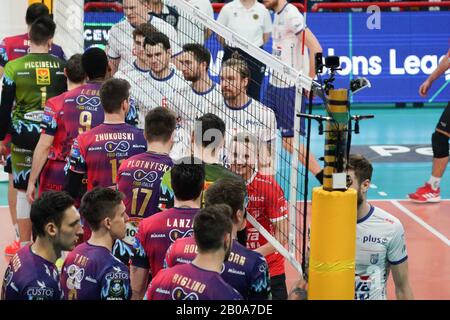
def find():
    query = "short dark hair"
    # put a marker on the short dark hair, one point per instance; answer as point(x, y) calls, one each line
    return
point(362, 167)
point(211, 224)
point(160, 124)
point(229, 191)
point(155, 38)
point(98, 204)
point(95, 63)
point(201, 53)
point(74, 69)
point(144, 29)
point(206, 122)
point(42, 30)
point(49, 207)
point(187, 178)
point(237, 63)
point(36, 11)
point(113, 92)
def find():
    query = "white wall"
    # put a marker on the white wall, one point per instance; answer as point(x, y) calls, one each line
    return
point(12, 17)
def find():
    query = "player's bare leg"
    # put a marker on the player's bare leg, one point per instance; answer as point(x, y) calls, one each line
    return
point(12, 202)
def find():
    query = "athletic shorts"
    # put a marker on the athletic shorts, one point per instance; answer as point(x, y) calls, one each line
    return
point(444, 121)
point(21, 160)
point(7, 143)
point(52, 176)
point(278, 287)
point(282, 102)
point(8, 166)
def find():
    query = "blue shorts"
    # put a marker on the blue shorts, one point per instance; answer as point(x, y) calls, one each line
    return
point(282, 102)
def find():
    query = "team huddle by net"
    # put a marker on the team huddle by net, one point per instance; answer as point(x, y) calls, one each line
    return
point(157, 172)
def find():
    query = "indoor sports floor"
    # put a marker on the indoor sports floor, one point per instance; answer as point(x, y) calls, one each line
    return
point(397, 141)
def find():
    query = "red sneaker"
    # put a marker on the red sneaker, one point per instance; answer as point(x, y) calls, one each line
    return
point(426, 194)
point(12, 248)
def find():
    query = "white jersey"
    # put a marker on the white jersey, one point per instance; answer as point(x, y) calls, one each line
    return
point(188, 106)
point(140, 92)
point(189, 31)
point(287, 45)
point(253, 118)
point(380, 242)
point(251, 23)
point(120, 42)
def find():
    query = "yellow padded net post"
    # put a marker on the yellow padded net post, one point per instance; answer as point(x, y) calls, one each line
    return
point(48, 3)
point(333, 221)
point(333, 245)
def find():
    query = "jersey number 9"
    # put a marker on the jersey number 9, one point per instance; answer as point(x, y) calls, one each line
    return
point(85, 121)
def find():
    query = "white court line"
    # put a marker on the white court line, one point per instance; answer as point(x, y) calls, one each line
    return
point(421, 222)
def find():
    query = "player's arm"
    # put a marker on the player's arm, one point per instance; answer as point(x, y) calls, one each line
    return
point(281, 235)
point(267, 27)
point(443, 66)
point(140, 267)
point(6, 104)
point(397, 257)
point(260, 285)
point(277, 212)
point(314, 47)
point(112, 50)
point(139, 278)
point(40, 155)
point(3, 57)
point(403, 289)
point(74, 177)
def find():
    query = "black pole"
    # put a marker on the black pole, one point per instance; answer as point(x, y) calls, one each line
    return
point(305, 197)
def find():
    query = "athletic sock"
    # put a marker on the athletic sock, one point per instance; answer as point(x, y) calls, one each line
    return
point(434, 182)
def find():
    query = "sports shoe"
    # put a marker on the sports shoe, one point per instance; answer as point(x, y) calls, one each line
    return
point(12, 248)
point(426, 194)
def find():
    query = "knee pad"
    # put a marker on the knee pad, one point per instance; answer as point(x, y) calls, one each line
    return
point(439, 142)
point(23, 206)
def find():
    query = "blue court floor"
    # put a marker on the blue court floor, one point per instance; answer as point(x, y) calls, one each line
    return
point(397, 141)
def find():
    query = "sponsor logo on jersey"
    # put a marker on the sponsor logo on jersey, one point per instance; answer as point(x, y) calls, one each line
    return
point(43, 76)
point(374, 258)
point(373, 239)
point(35, 116)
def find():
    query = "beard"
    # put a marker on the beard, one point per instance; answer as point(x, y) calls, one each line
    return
point(227, 252)
point(360, 198)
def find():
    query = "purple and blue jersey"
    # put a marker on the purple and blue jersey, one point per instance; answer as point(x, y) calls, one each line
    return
point(246, 270)
point(100, 151)
point(92, 273)
point(31, 277)
point(189, 282)
point(157, 233)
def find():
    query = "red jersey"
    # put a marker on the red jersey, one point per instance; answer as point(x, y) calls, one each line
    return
point(267, 204)
point(100, 151)
point(53, 124)
point(157, 232)
point(15, 47)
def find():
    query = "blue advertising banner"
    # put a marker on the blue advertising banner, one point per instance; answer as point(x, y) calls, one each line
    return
point(396, 51)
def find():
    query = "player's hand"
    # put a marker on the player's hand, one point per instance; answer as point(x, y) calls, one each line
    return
point(31, 191)
point(423, 90)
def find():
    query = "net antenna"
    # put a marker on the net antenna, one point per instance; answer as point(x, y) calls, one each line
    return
point(289, 173)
